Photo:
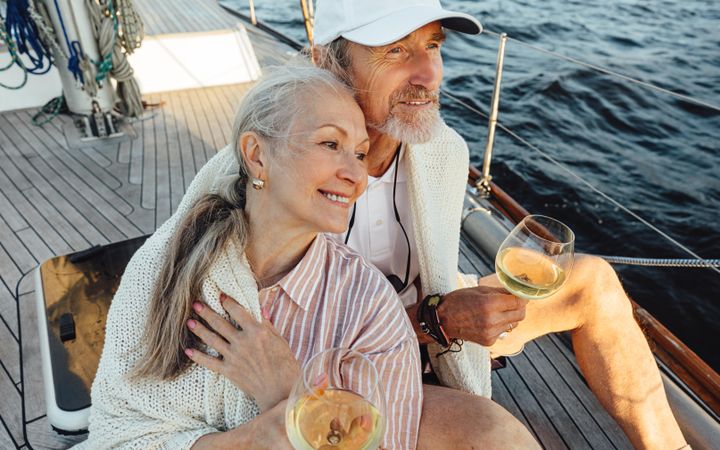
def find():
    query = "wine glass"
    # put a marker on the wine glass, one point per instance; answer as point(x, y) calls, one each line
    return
point(338, 403)
point(535, 259)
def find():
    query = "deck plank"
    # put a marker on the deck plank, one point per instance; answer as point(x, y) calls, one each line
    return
point(184, 141)
point(5, 439)
point(501, 395)
point(12, 174)
point(199, 151)
point(532, 411)
point(8, 311)
point(12, 408)
point(163, 205)
point(175, 156)
point(576, 411)
point(136, 152)
point(17, 253)
point(35, 245)
point(9, 354)
point(11, 215)
point(148, 163)
point(567, 370)
point(224, 115)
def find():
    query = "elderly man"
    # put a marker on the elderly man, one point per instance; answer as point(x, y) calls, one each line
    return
point(408, 225)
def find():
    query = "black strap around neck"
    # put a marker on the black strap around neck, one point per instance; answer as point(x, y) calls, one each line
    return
point(394, 279)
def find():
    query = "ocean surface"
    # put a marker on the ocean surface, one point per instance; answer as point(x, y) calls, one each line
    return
point(655, 154)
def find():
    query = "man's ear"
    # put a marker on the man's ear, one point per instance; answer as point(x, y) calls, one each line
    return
point(253, 152)
point(316, 54)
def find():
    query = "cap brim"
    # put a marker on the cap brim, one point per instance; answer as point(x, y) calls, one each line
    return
point(401, 23)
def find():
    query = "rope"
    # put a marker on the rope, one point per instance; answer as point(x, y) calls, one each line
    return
point(130, 26)
point(108, 24)
point(75, 53)
point(45, 31)
point(610, 72)
point(49, 111)
point(20, 26)
point(14, 59)
point(592, 187)
point(655, 262)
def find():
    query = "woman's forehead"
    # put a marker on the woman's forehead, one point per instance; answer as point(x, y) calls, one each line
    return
point(330, 108)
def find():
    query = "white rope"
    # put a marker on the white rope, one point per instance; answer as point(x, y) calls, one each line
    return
point(610, 72)
point(590, 186)
point(128, 91)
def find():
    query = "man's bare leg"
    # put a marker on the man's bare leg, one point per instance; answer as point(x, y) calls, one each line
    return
point(610, 348)
point(457, 420)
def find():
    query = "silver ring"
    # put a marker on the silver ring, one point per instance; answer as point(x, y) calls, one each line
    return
point(511, 327)
point(503, 335)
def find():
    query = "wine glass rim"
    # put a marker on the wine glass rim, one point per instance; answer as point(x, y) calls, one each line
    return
point(541, 216)
point(373, 369)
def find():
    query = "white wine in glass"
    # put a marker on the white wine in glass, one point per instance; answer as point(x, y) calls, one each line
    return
point(535, 259)
point(338, 403)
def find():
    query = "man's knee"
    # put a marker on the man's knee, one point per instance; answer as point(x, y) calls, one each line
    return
point(599, 289)
point(456, 420)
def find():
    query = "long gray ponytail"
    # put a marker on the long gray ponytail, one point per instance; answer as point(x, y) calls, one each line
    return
point(268, 109)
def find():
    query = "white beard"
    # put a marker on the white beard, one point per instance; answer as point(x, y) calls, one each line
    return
point(421, 129)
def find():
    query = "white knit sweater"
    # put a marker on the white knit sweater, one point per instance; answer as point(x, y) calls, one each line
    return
point(437, 176)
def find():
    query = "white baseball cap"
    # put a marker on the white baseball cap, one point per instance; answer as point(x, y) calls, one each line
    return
point(381, 22)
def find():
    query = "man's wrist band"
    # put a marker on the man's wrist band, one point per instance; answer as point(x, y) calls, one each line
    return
point(429, 321)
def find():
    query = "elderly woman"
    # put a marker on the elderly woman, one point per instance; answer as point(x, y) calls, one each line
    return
point(254, 251)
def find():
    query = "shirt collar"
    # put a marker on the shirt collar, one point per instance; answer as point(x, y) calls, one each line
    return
point(389, 175)
point(304, 282)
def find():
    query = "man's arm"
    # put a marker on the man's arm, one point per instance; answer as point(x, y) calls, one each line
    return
point(478, 314)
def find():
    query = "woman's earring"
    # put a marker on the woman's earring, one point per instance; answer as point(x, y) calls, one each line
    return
point(258, 184)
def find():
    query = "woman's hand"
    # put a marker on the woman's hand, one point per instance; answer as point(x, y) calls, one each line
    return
point(255, 357)
point(264, 432)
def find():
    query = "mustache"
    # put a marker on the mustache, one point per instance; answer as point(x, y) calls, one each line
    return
point(412, 93)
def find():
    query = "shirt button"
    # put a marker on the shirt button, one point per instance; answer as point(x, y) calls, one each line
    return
point(379, 222)
point(274, 289)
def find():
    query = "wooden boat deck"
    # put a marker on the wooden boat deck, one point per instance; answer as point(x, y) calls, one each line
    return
point(55, 200)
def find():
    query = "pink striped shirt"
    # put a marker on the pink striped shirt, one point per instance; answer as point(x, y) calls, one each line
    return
point(333, 298)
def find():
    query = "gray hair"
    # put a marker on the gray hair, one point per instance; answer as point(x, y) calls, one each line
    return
point(335, 57)
point(268, 109)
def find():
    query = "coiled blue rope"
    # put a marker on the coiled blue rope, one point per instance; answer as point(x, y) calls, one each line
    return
point(24, 33)
point(14, 59)
point(74, 49)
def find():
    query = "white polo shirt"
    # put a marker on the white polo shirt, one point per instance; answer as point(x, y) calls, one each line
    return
point(377, 236)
